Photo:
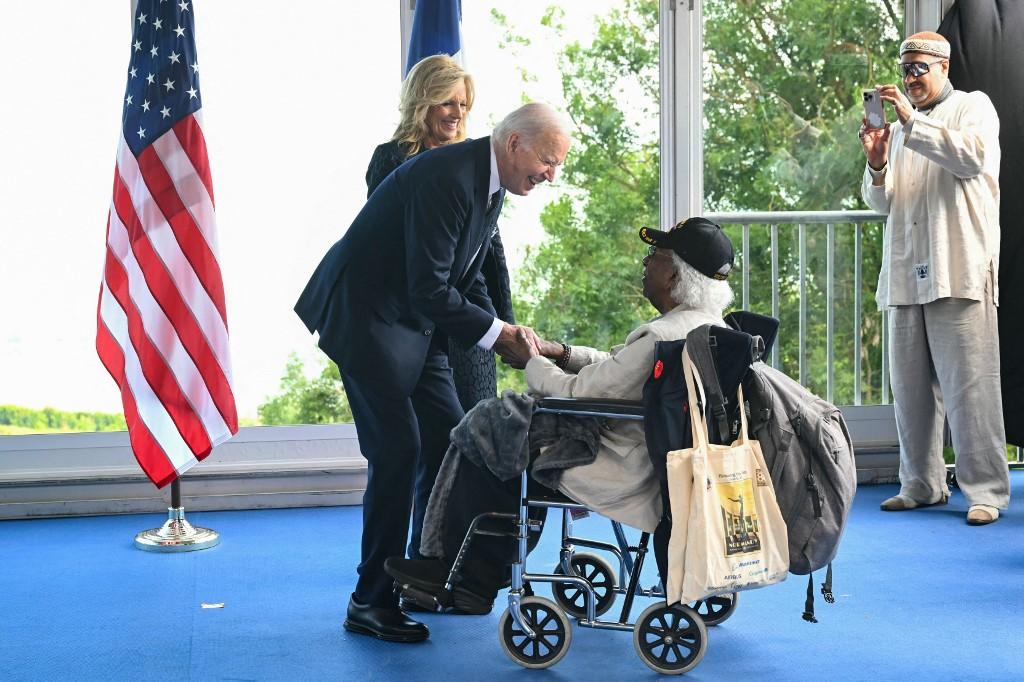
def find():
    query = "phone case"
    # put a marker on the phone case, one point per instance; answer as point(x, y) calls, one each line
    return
point(873, 111)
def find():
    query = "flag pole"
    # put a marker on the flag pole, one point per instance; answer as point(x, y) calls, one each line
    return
point(177, 534)
point(175, 412)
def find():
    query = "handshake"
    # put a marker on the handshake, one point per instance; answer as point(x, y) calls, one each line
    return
point(516, 345)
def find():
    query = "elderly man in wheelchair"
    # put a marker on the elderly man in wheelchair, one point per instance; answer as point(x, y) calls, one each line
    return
point(684, 275)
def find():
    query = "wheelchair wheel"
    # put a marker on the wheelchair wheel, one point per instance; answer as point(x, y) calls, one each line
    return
point(715, 610)
point(601, 576)
point(552, 627)
point(671, 640)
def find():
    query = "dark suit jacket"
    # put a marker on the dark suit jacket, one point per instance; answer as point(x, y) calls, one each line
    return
point(389, 156)
point(408, 264)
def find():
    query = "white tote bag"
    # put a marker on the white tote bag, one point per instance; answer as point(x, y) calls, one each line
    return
point(729, 534)
point(679, 466)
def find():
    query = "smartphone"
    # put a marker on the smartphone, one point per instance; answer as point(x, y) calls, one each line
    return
point(873, 110)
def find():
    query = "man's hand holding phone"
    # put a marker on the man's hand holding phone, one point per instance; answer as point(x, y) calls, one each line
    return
point(876, 144)
point(874, 133)
point(900, 104)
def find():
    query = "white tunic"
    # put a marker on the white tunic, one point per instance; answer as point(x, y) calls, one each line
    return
point(941, 194)
point(620, 482)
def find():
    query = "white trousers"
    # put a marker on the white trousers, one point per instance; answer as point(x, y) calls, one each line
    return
point(945, 363)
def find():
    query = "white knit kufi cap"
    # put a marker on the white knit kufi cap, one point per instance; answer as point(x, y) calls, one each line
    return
point(937, 48)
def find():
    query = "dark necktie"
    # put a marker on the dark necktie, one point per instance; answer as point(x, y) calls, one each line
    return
point(492, 202)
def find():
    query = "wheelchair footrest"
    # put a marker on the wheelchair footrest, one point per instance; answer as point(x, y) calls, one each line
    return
point(422, 598)
point(457, 601)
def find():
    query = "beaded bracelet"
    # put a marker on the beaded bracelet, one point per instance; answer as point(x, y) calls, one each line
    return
point(563, 361)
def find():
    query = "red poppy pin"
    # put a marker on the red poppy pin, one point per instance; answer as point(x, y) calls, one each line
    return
point(659, 367)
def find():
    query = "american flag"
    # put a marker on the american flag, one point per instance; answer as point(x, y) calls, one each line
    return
point(162, 328)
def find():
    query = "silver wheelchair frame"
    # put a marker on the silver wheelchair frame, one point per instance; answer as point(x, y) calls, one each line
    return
point(669, 639)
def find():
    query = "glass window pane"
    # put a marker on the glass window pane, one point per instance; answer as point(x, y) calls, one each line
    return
point(575, 250)
point(294, 102)
point(782, 103)
point(572, 245)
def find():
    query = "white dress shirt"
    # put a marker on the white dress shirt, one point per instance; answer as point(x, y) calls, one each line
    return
point(487, 340)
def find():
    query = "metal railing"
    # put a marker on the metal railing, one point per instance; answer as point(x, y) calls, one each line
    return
point(815, 220)
point(829, 221)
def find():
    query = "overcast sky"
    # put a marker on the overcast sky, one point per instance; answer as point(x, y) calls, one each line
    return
point(293, 104)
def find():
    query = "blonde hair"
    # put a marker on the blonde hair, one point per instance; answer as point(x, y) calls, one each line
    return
point(429, 83)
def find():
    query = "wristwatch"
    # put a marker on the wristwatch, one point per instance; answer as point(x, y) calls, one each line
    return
point(878, 174)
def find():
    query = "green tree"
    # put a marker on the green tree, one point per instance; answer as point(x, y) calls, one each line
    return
point(21, 420)
point(782, 103)
point(302, 400)
point(782, 81)
point(583, 282)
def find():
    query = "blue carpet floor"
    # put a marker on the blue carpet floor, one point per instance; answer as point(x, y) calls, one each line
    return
point(919, 596)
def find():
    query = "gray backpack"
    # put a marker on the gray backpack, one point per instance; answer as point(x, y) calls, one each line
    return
point(810, 456)
point(808, 450)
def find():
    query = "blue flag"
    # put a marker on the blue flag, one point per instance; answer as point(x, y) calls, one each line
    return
point(436, 29)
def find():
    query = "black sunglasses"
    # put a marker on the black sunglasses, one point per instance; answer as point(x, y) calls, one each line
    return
point(917, 69)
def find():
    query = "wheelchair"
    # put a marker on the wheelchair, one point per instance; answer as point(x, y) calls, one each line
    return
point(535, 631)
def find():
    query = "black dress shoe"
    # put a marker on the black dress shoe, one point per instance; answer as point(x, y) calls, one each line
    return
point(389, 624)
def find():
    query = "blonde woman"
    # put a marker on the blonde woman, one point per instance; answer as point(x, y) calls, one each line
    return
point(436, 99)
point(437, 96)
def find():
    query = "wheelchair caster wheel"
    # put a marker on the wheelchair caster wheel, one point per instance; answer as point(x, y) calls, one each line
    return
point(551, 626)
point(573, 598)
point(715, 610)
point(671, 640)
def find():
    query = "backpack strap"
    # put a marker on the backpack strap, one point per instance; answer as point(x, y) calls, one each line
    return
point(826, 587)
point(826, 592)
point(695, 394)
point(698, 347)
point(809, 601)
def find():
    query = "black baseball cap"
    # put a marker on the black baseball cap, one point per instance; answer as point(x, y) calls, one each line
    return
point(699, 242)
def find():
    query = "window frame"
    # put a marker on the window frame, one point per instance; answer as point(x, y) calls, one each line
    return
point(682, 147)
point(682, 159)
point(682, 95)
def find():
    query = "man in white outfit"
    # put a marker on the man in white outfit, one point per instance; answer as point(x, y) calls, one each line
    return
point(935, 173)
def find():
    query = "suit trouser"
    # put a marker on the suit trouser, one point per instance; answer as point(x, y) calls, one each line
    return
point(945, 363)
point(403, 440)
point(475, 491)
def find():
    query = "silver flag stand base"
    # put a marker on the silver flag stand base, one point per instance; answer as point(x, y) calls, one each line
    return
point(176, 535)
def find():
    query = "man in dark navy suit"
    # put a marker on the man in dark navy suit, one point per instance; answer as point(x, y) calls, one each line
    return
point(405, 276)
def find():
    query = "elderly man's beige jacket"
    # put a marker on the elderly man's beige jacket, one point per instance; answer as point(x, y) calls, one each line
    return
point(941, 194)
point(620, 483)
